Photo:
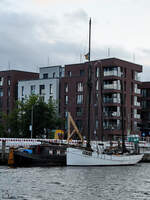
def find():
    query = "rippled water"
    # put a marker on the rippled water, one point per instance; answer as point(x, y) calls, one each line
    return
point(75, 183)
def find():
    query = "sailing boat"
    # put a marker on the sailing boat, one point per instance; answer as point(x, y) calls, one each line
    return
point(87, 156)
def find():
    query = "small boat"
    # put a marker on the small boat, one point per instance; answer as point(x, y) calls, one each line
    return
point(40, 155)
point(87, 156)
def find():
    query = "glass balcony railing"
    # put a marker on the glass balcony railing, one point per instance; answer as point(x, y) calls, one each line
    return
point(112, 86)
point(111, 100)
point(112, 127)
point(137, 116)
point(137, 91)
point(112, 114)
point(112, 73)
point(137, 103)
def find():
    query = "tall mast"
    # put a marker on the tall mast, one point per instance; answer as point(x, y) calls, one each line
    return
point(122, 107)
point(89, 84)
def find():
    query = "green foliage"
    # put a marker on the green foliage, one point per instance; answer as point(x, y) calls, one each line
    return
point(44, 117)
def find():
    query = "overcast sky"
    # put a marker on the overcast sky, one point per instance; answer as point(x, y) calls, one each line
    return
point(35, 33)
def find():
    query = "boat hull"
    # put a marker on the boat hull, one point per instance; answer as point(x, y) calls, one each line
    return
point(79, 157)
point(26, 160)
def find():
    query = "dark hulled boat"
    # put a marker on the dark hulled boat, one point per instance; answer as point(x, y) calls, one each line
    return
point(40, 155)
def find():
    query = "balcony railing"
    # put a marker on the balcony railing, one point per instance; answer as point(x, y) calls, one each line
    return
point(112, 73)
point(137, 91)
point(137, 116)
point(111, 100)
point(112, 127)
point(112, 114)
point(137, 103)
point(112, 87)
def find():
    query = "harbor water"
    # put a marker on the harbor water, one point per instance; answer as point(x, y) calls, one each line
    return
point(75, 183)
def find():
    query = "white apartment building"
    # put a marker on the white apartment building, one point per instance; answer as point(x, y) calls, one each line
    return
point(47, 86)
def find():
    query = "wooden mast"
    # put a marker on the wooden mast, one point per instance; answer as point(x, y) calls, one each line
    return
point(89, 85)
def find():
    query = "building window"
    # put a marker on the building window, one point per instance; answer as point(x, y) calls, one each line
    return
point(54, 74)
point(96, 124)
point(51, 88)
point(8, 80)
point(1, 92)
point(32, 89)
point(66, 87)
point(1, 81)
point(80, 99)
point(80, 87)
point(66, 99)
point(45, 76)
point(79, 124)
point(82, 72)
point(96, 85)
point(97, 72)
point(8, 91)
point(51, 98)
point(69, 73)
point(79, 111)
point(42, 89)
point(22, 90)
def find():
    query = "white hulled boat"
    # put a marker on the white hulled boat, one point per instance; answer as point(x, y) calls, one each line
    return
point(87, 156)
point(80, 157)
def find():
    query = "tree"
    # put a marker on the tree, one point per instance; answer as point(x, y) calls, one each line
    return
point(34, 111)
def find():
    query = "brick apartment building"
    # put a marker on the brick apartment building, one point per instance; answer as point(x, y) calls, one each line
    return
point(9, 87)
point(115, 97)
point(145, 103)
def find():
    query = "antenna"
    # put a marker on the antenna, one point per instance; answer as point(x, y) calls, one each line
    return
point(48, 61)
point(108, 52)
point(8, 65)
point(133, 57)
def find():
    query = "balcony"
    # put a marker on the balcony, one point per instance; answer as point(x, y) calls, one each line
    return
point(137, 116)
point(111, 100)
point(112, 73)
point(112, 114)
point(112, 126)
point(137, 104)
point(112, 86)
point(137, 91)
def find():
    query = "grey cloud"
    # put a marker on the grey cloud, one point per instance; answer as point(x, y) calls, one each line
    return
point(77, 16)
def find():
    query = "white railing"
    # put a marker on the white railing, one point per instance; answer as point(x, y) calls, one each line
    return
point(137, 91)
point(112, 86)
point(112, 73)
point(137, 116)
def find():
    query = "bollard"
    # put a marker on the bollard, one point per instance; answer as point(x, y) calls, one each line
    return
point(3, 150)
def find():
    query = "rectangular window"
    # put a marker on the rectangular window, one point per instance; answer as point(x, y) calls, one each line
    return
point(79, 124)
point(8, 80)
point(97, 72)
point(66, 99)
point(96, 85)
point(66, 87)
point(51, 88)
point(79, 111)
point(80, 99)
point(22, 90)
point(1, 92)
point(42, 89)
point(32, 89)
point(45, 76)
point(51, 98)
point(8, 91)
point(69, 73)
point(1, 81)
point(82, 72)
point(54, 74)
point(80, 87)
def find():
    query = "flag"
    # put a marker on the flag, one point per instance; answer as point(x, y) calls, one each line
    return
point(87, 56)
